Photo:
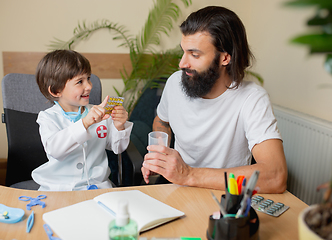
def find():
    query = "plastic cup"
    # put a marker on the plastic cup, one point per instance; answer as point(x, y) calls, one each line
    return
point(158, 138)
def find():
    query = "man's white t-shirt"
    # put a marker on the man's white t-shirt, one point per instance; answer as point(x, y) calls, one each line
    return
point(219, 132)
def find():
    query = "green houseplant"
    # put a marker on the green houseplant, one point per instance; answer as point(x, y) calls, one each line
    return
point(149, 67)
point(319, 41)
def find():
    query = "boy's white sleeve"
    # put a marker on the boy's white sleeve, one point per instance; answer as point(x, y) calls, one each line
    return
point(119, 140)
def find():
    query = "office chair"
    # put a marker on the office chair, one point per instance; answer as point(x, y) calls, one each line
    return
point(22, 101)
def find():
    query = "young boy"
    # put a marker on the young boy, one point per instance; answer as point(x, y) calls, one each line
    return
point(74, 133)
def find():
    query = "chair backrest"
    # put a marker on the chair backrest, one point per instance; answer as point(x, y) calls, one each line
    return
point(22, 101)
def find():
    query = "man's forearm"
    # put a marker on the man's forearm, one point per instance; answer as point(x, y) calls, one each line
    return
point(159, 125)
point(213, 178)
point(271, 163)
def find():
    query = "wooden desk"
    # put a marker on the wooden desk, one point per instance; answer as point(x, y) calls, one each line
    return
point(196, 203)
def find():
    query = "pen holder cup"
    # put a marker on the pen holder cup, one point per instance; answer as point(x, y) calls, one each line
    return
point(231, 228)
point(231, 202)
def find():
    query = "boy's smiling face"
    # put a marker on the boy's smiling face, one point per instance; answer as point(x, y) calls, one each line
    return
point(75, 94)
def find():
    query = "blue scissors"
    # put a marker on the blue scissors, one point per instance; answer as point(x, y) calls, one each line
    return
point(49, 232)
point(33, 201)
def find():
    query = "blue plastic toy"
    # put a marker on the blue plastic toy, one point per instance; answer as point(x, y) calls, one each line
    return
point(33, 201)
point(10, 215)
point(49, 232)
point(30, 222)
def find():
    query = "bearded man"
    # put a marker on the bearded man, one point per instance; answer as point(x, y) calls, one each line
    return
point(219, 120)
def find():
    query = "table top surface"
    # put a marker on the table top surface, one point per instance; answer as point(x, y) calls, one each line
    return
point(196, 203)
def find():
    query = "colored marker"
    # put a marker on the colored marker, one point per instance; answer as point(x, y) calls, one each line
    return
point(243, 185)
point(239, 183)
point(232, 186)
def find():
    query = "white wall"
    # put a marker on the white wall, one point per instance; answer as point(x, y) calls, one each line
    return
point(291, 77)
point(294, 78)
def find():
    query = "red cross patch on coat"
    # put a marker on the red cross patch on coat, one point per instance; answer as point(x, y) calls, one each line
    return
point(101, 131)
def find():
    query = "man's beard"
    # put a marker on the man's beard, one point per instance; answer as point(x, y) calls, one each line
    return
point(200, 84)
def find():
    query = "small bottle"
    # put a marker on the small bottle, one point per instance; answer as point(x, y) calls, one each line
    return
point(122, 227)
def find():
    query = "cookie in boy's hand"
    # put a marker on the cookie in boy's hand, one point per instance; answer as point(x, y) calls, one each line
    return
point(112, 102)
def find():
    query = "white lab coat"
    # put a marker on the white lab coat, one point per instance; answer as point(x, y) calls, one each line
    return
point(69, 146)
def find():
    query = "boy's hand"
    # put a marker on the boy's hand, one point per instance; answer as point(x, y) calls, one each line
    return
point(119, 117)
point(96, 114)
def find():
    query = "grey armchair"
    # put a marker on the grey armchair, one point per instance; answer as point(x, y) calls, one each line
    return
point(22, 102)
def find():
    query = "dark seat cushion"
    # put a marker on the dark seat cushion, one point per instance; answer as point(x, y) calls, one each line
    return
point(25, 150)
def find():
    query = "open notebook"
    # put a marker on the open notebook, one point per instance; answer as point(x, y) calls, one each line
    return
point(90, 219)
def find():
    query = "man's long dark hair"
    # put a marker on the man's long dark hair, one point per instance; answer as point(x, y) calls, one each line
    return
point(228, 34)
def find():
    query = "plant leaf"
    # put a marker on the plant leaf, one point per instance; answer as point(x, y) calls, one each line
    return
point(257, 76)
point(83, 31)
point(318, 43)
point(319, 21)
point(328, 63)
point(117, 92)
point(309, 3)
point(160, 20)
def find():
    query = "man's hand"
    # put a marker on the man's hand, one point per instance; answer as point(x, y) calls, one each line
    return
point(96, 114)
point(167, 162)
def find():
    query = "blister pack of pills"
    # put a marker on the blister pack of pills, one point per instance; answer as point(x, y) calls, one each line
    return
point(112, 102)
point(268, 206)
